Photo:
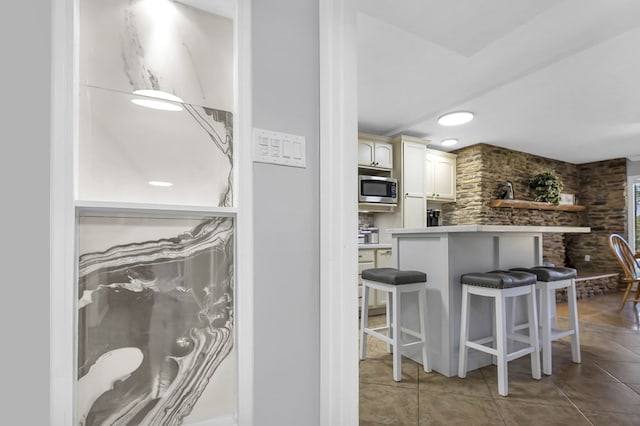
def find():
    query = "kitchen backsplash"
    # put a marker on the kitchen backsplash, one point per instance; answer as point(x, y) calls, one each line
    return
point(365, 220)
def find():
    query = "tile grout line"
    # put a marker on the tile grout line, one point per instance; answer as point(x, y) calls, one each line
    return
point(495, 402)
point(574, 405)
point(595, 361)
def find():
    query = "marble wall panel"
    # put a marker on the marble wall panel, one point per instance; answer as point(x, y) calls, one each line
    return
point(168, 46)
point(155, 320)
point(157, 44)
point(123, 146)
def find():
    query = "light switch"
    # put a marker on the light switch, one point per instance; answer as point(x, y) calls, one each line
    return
point(297, 150)
point(279, 148)
point(263, 145)
point(286, 148)
point(275, 147)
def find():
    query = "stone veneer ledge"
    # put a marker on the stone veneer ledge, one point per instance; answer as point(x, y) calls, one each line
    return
point(600, 186)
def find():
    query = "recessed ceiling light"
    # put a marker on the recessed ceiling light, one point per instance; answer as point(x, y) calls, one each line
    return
point(158, 94)
point(455, 118)
point(449, 142)
point(159, 183)
point(161, 105)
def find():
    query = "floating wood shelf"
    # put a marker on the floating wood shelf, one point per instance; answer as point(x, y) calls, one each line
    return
point(535, 205)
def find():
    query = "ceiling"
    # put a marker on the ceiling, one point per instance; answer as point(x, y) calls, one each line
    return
point(555, 78)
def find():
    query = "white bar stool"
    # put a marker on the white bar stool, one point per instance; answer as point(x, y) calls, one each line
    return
point(394, 283)
point(500, 285)
point(550, 279)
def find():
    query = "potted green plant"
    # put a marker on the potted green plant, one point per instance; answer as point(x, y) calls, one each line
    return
point(547, 186)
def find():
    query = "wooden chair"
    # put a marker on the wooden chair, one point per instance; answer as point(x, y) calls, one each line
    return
point(629, 263)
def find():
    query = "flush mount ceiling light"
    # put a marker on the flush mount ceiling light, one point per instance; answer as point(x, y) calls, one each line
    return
point(455, 118)
point(158, 94)
point(449, 142)
point(157, 104)
point(161, 105)
point(160, 183)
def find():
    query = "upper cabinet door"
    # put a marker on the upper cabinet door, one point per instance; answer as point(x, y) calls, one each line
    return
point(375, 154)
point(430, 185)
point(440, 184)
point(413, 168)
point(445, 178)
point(366, 153)
point(383, 155)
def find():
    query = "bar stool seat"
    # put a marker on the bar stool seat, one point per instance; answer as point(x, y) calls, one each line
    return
point(395, 282)
point(550, 279)
point(500, 285)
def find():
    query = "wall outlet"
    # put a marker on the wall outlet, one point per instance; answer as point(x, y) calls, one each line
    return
point(587, 258)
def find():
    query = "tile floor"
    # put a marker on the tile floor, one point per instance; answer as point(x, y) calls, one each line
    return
point(603, 390)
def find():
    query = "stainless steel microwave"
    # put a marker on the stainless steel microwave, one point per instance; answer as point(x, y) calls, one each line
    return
point(377, 189)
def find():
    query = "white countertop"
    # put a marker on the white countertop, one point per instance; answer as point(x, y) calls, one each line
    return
point(489, 228)
point(374, 246)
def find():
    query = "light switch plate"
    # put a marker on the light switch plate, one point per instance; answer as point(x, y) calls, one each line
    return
point(279, 148)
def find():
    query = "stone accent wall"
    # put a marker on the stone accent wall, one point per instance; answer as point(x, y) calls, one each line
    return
point(483, 168)
point(604, 192)
point(591, 287)
point(601, 186)
point(470, 197)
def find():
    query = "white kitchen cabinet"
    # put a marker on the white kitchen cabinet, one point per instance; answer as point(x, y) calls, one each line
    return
point(366, 260)
point(411, 180)
point(375, 152)
point(440, 176)
point(383, 258)
point(373, 258)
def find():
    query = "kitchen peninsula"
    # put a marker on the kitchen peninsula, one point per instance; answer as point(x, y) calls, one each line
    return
point(444, 253)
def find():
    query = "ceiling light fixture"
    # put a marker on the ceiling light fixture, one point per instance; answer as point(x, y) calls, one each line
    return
point(158, 94)
point(455, 118)
point(161, 105)
point(160, 183)
point(449, 142)
point(158, 104)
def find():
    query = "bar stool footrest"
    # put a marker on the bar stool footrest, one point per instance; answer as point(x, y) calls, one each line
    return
point(378, 336)
point(559, 334)
point(520, 353)
point(482, 348)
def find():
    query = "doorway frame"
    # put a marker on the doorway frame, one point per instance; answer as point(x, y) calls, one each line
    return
point(338, 214)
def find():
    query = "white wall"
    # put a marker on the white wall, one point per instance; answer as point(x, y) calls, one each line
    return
point(24, 172)
point(286, 204)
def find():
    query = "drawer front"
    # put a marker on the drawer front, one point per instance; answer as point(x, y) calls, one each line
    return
point(383, 258)
point(366, 255)
point(365, 265)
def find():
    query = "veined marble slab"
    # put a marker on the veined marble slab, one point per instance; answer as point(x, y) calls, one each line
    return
point(123, 146)
point(163, 45)
point(155, 318)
